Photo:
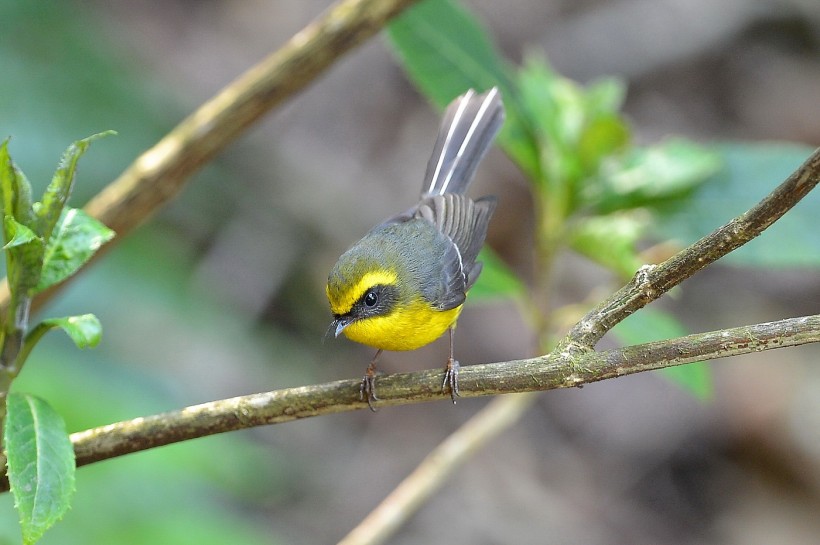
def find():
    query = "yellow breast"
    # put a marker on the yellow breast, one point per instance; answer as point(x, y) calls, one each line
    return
point(406, 328)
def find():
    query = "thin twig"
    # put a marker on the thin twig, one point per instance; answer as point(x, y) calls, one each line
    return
point(159, 174)
point(573, 364)
point(649, 284)
point(405, 499)
point(653, 281)
point(504, 411)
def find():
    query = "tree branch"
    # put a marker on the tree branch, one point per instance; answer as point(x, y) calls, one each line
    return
point(573, 363)
point(555, 370)
point(404, 500)
point(159, 174)
point(504, 411)
point(652, 281)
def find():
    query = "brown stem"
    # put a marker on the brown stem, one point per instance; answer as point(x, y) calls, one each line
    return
point(158, 175)
point(573, 363)
point(653, 281)
point(556, 370)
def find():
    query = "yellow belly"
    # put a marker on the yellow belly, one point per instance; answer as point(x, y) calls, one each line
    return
point(407, 328)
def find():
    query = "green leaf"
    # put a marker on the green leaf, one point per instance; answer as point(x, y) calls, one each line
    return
point(18, 234)
point(696, 378)
point(751, 171)
point(650, 176)
point(446, 51)
point(577, 129)
point(496, 279)
point(24, 257)
point(75, 238)
point(58, 191)
point(648, 325)
point(85, 330)
point(15, 189)
point(605, 97)
point(554, 107)
point(561, 109)
point(7, 179)
point(604, 136)
point(40, 463)
point(611, 241)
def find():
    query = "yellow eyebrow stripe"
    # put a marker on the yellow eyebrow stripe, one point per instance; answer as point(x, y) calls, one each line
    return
point(356, 290)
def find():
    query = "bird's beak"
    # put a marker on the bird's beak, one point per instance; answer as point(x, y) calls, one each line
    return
point(339, 324)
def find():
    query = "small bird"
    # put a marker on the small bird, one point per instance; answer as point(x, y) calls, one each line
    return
point(404, 284)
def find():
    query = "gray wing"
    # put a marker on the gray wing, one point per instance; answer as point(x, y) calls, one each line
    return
point(451, 289)
point(467, 131)
point(460, 229)
point(464, 222)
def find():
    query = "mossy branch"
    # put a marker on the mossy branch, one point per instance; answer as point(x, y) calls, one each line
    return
point(653, 281)
point(573, 363)
point(649, 283)
point(552, 371)
point(158, 175)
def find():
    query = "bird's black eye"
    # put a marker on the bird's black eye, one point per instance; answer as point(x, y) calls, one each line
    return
point(371, 298)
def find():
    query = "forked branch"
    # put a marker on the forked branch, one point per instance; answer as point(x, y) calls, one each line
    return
point(653, 281)
point(158, 174)
point(573, 363)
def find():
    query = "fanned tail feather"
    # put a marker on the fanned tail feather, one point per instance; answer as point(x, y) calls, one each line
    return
point(470, 124)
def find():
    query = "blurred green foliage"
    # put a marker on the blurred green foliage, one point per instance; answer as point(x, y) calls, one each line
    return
point(750, 172)
point(571, 141)
point(61, 82)
point(184, 493)
point(595, 191)
point(45, 243)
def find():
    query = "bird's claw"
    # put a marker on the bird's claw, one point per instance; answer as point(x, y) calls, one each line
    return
point(367, 390)
point(451, 379)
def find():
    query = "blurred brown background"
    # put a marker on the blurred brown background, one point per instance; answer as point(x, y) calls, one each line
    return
point(224, 293)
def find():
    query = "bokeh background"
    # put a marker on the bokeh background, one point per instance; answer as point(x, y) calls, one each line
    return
point(222, 294)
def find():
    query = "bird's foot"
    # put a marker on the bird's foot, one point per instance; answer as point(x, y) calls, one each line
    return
point(451, 379)
point(367, 390)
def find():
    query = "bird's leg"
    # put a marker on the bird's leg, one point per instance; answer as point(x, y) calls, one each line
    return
point(451, 373)
point(368, 387)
